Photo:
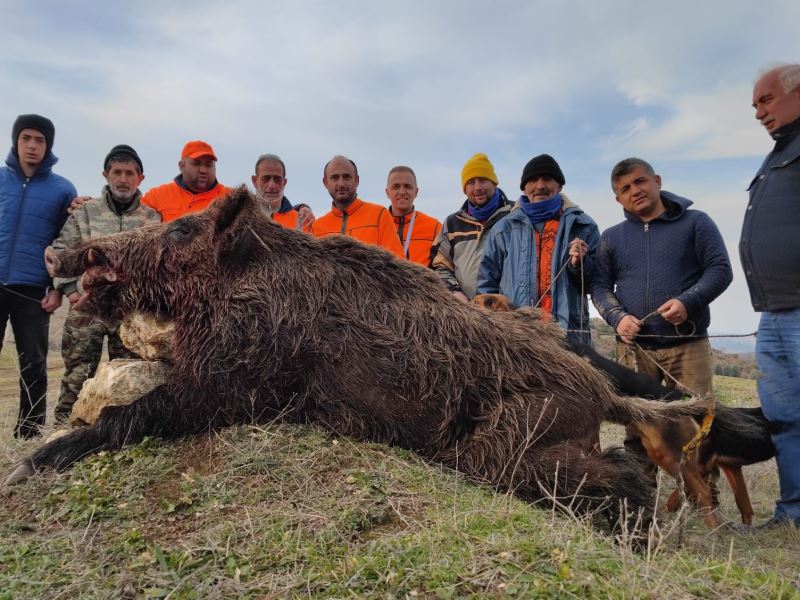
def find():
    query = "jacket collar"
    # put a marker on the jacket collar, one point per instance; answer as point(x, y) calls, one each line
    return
point(42, 171)
point(129, 208)
point(349, 209)
point(398, 219)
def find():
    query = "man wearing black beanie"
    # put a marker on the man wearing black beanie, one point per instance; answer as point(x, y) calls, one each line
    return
point(33, 203)
point(118, 208)
point(542, 253)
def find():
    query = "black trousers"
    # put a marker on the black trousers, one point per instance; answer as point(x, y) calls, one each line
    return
point(30, 324)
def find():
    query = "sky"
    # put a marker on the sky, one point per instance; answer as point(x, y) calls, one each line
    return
point(425, 84)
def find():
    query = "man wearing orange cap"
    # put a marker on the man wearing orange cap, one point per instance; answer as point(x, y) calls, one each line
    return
point(194, 189)
point(465, 232)
point(350, 215)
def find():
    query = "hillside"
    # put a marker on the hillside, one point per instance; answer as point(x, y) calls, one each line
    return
point(286, 511)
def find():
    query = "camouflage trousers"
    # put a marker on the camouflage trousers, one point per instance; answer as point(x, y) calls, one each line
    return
point(81, 349)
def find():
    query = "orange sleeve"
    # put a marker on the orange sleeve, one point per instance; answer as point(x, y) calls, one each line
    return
point(387, 235)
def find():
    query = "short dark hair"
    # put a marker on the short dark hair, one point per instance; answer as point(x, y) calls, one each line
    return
point(402, 169)
point(624, 167)
point(271, 158)
point(339, 157)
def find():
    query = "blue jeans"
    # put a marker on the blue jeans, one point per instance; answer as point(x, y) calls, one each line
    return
point(778, 356)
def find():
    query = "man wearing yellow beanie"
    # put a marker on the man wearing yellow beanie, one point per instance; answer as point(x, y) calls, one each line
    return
point(464, 234)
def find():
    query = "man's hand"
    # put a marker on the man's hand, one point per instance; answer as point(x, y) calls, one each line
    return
point(673, 311)
point(306, 215)
point(628, 328)
point(77, 203)
point(461, 296)
point(578, 249)
point(73, 298)
point(51, 301)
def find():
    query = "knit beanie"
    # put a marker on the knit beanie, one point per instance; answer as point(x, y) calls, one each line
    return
point(123, 150)
point(41, 124)
point(544, 164)
point(478, 166)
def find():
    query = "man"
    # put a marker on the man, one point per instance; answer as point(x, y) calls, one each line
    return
point(193, 189)
point(269, 183)
point(542, 254)
point(349, 215)
point(118, 208)
point(418, 232)
point(33, 207)
point(655, 275)
point(465, 232)
point(770, 251)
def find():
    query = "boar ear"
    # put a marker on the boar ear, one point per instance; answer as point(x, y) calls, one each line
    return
point(237, 248)
point(229, 207)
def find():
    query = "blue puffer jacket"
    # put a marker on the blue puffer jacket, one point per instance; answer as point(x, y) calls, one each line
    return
point(509, 264)
point(680, 255)
point(32, 212)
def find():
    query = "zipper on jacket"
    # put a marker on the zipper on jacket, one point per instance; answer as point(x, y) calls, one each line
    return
point(647, 267)
point(344, 223)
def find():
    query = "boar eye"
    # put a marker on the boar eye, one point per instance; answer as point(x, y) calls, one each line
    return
point(180, 233)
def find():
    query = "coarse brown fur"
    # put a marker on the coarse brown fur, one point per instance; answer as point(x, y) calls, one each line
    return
point(738, 437)
point(271, 323)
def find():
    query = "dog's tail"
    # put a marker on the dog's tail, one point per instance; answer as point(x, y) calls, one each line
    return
point(628, 409)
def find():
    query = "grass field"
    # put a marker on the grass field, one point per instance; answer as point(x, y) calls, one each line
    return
point(286, 511)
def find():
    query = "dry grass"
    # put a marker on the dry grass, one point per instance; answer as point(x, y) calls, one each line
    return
point(283, 511)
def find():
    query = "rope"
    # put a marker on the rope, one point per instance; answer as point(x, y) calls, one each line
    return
point(16, 293)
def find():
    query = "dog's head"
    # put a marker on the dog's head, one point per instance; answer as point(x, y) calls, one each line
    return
point(494, 302)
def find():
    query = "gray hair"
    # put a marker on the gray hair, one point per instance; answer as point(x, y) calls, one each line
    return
point(626, 166)
point(789, 77)
point(402, 169)
point(271, 158)
point(339, 157)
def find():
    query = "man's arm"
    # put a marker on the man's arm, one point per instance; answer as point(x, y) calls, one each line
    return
point(602, 286)
point(443, 265)
point(490, 271)
point(584, 250)
point(713, 259)
point(69, 236)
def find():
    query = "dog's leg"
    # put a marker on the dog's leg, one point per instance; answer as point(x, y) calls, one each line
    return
point(740, 493)
point(698, 488)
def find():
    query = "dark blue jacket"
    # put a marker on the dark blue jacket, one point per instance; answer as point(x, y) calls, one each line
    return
point(32, 212)
point(770, 242)
point(680, 255)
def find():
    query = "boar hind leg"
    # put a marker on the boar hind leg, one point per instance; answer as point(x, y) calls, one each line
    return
point(155, 414)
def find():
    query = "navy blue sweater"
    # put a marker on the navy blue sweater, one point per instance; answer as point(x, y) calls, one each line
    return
point(680, 254)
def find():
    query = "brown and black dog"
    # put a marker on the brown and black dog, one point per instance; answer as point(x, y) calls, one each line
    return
point(738, 436)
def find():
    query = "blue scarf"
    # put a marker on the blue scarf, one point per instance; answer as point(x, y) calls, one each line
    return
point(539, 212)
point(487, 210)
